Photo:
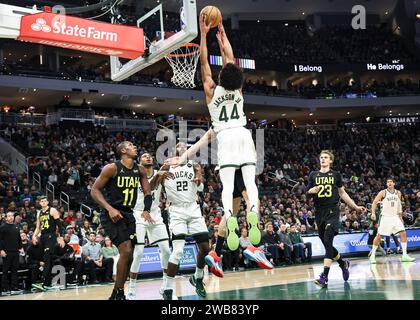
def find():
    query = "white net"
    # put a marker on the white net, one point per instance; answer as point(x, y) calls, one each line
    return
point(183, 62)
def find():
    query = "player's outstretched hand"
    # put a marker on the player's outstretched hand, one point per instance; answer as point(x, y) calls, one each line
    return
point(115, 215)
point(146, 216)
point(359, 208)
point(174, 162)
point(163, 175)
point(204, 28)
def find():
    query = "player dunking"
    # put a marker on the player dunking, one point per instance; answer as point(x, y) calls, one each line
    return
point(236, 149)
point(155, 229)
point(391, 221)
point(326, 187)
point(122, 180)
point(213, 259)
point(185, 219)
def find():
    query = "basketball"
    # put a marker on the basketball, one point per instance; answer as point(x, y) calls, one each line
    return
point(213, 15)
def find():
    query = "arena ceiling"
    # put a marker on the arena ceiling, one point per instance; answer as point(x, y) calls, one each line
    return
point(283, 9)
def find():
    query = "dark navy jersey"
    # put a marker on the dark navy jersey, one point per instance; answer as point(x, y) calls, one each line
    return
point(329, 183)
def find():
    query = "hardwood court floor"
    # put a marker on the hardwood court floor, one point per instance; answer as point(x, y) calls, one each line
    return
point(388, 279)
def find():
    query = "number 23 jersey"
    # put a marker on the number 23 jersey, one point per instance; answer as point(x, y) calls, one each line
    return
point(181, 189)
point(329, 183)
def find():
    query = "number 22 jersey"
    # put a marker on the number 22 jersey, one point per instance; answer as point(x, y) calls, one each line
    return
point(182, 189)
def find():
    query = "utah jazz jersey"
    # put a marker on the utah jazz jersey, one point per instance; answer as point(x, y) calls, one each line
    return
point(154, 210)
point(391, 204)
point(47, 222)
point(227, 109)
point(181, 189)
point(329, 182)
point(122, 189)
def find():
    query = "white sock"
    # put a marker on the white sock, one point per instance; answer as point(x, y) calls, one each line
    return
point(170, 283)
point(404, 247)
point(374, 250)
point(132, 283)
point(199, 273)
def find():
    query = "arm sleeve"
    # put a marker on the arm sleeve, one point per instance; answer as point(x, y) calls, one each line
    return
point(200, 188)
point(148, 200)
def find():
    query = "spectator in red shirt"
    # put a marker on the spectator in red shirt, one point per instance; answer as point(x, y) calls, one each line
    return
point(70, 217)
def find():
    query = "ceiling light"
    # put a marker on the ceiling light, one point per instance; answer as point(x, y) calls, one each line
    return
point(311, 114)
point(88, 102)
point(286, 24)
point(348, 112)
point(102, 94)
point(197, 101)
point(34, 90)
point(180, 108)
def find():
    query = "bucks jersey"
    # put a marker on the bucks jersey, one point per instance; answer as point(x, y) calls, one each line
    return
point(154, 210)
point(227, 109)
point(122, 189)
point(329, 183)
point(391, 204)
point(47, 222)
point(182, 189)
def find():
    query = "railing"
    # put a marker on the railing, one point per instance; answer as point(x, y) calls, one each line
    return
point(50, 189)
point(27, 163)
point(65, 200)
point(36, 179)
point(119, 124)
point(89, 209)
point(52, 118)
point(23, 119)
point(75, 114)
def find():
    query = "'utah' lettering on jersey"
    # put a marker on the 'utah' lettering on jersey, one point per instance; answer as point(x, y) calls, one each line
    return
point(391, 204)
point(154, 210)
point(182, 189)
point(227, 109)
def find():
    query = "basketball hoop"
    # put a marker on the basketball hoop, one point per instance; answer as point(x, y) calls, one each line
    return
point(183, 62)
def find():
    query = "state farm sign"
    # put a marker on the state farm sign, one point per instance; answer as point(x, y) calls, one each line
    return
point(82, 34)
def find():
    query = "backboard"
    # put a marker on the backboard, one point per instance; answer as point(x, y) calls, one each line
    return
point(178, 18)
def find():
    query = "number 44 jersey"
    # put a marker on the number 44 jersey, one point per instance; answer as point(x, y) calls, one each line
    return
point(182, 189)
point(227, 109)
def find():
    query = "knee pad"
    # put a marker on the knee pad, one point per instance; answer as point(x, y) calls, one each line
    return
point(165, 253)
point(177, 251)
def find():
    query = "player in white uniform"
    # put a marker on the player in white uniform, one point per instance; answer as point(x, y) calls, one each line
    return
point(156, 231)
point(391, 221)
point(185, 220)
point(236, 149)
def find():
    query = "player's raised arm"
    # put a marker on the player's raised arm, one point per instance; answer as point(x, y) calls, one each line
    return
point(206, 76)
point(225, 46)
point(205, 140)
point(377, 199)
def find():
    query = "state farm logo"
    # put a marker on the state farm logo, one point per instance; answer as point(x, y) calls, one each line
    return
point(41, 25)
point(79, 31)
